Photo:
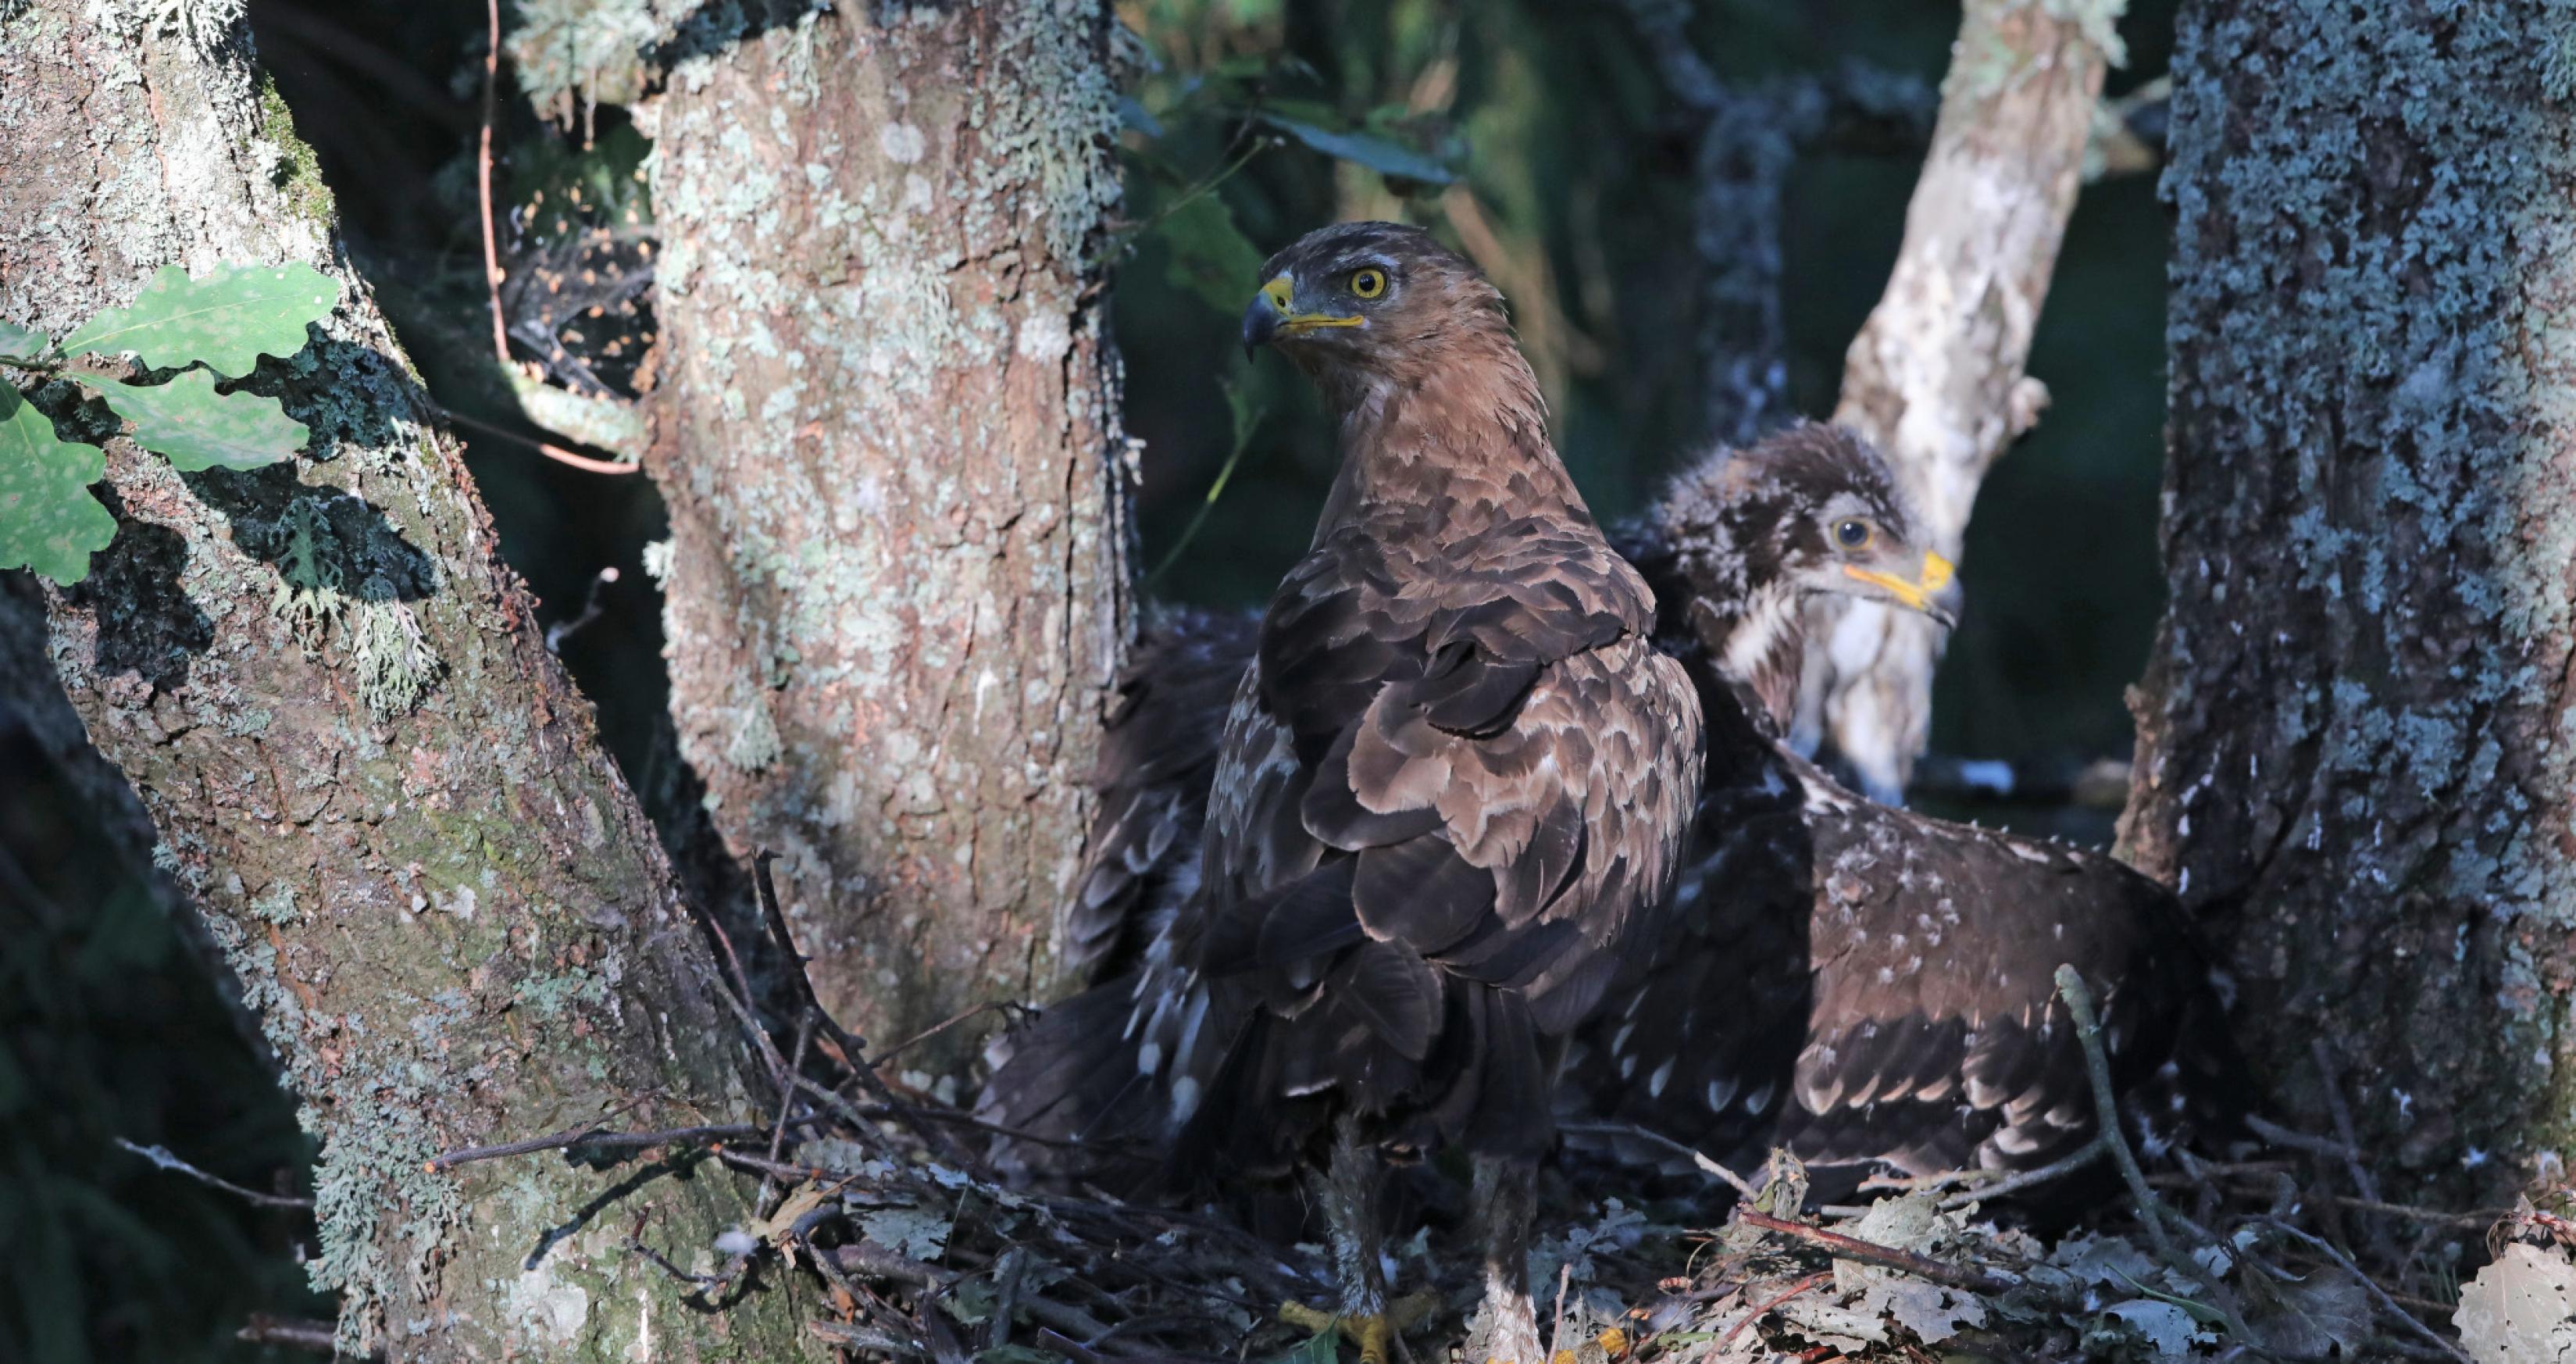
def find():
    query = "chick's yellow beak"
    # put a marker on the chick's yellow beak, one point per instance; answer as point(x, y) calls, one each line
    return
point(1927, 592)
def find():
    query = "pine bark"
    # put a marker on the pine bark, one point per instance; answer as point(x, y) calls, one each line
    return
point(377, 787)
point(1935, 377)
point(2358, 731)
point(888, 433)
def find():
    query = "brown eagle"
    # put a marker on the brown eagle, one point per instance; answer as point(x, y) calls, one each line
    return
point(1871, 988)
point(1864, 985)
point(1454, 774)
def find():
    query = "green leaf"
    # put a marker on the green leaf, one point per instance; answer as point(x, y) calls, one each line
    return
point(227, 320)
point(199, 428)
point(1210, 256)
point(48, 520)
point(1390, 159)
point(18, 343)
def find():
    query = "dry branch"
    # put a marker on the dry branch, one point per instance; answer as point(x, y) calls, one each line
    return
point(1935, 377)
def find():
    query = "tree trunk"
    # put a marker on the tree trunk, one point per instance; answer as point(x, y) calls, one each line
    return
point(887, 429)
point(1935, 376)
point(383, 796)
point(2358, 731)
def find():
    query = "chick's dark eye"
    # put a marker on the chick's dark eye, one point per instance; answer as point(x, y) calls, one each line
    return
point(1852, 534)
point(1368, 283)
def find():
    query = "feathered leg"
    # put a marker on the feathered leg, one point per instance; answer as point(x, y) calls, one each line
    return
point(1505, 1328)
point(1347, 1190)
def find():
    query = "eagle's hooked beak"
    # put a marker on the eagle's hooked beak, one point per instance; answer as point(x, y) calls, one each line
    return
point(1274, 314)
point(1934, 591)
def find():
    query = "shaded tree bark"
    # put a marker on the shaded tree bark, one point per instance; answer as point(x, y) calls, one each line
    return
point(887, 429)
point(1935, 377)
point(376, 785)
point(2354, 738)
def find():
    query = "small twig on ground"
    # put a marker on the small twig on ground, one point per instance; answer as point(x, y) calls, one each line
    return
point(1765, 1309)
point(761, 1165)
point(594, 1135)
point(2322, 1056)
point(1965, 1278)
point(853, 1050)
point(1556, 1333)
point(2295, 1139)
point(2106, 1109)
point(935, 1029)
point(483, 174)
point(786, 1101)
point(635, 1242)
point(1984, 1184)
point(1698, 1158)
point(2387, 1303)
point(321, 1337)
point(161, 1156)
point(2151, 1210)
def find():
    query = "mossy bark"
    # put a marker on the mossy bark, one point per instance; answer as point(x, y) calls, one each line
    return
point(887, 431)
point(385, 800)
point(2357, 735)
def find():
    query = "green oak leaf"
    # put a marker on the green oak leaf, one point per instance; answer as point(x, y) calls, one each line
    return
point(18, 343)
point(48, 520)
point(228, 319)
point(199, 428)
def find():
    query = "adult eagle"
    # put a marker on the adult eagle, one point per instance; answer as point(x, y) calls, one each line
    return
point(1454, 774)
point(1866, 986)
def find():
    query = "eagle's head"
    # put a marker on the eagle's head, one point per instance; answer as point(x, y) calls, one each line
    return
point(1370, 300)
point(1809, 511)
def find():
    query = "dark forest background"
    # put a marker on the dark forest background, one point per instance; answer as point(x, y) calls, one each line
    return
point(1572, 181)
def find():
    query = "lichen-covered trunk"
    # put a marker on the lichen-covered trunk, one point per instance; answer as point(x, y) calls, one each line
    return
point(1935, 377)
point(887, 430)
point(387, 803)
point(2358, 732)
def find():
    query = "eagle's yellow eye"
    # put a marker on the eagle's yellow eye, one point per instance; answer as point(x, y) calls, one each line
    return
point(1368, 283)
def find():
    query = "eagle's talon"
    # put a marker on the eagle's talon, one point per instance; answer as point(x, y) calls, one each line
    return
point(1374, 1331)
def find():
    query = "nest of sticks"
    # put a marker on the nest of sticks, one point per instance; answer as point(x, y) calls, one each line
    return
point(879, 1191)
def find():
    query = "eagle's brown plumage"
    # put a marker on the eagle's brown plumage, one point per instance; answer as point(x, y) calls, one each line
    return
point(1865, 985)
point(1453, 775)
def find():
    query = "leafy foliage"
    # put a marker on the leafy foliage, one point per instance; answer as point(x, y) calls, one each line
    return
point(18, 343)
point(198, 428)
point(225, 322)
point(48, 520)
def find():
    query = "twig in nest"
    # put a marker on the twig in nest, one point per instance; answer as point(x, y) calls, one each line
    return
point(1984, 1184)
point(2387, 1303)
point(786, 1100)
point(1698, 1158)
point(1964, 1278)
point(2106, 1113)
point(321, 1337)
point(1765, 1309)
point(2322, 1056)
point(635, 1242)
point(594, 1135)
point(2151, 1210)
point(853, 1050)
point(161, 1156)
point(2295, 1139)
